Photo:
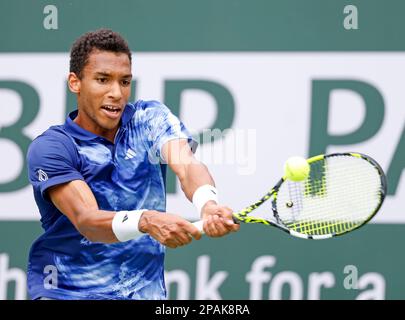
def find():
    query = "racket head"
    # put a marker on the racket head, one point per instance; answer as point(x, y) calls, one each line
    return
point(342, 193)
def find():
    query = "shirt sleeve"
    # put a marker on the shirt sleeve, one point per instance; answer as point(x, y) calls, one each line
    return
point(52, 160)
point(165, 126)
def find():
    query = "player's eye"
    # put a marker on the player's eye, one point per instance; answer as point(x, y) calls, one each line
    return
point(102, 80)
point(126, 83)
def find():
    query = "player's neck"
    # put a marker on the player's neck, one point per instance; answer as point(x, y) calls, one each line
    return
point(89, 125)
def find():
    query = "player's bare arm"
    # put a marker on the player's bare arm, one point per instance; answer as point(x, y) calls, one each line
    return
point(76, 200)
point(192, 175)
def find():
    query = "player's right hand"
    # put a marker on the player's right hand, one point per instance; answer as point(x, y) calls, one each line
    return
point(169, 229)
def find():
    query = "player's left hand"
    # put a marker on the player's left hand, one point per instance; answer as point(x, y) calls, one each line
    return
point(218, 220)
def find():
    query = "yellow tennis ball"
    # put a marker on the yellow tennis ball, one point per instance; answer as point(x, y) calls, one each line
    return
point(296, 169)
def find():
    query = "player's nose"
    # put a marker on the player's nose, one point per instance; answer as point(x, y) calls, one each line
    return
point(115, 91)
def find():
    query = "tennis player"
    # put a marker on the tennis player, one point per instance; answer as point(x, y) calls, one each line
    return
point(99, 183)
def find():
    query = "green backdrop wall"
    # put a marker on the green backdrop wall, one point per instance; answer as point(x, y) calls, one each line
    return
point(252, 264)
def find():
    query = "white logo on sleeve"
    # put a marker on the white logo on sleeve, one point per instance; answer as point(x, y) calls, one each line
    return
point(42, 176)
point(130, 154)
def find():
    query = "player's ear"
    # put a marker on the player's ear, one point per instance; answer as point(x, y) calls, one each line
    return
point(74, 83)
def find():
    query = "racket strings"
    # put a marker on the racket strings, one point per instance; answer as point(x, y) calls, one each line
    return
point(340, 194)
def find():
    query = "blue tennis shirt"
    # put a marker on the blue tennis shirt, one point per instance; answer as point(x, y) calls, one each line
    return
point(125, 175)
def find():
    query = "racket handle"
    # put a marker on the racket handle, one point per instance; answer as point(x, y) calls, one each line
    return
point(199, 224)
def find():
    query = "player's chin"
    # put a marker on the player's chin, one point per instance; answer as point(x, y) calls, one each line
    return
point(110, 124)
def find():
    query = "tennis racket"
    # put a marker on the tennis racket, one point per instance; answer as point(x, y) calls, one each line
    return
point(342, 193)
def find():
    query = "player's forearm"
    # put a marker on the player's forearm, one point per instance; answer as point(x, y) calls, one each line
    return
point(170, 230)
point(194, 175)
point(97, 226)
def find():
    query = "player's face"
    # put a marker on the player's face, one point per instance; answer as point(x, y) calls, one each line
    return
point(104, 90)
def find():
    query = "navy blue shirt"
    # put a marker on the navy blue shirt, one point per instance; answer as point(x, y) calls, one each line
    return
point(125, 175)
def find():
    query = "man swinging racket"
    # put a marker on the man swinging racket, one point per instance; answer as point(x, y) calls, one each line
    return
point(99, 183)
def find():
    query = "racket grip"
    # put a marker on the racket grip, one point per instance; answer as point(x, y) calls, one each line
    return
point(200, 224)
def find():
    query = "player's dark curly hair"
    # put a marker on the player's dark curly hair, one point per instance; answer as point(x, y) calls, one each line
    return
point(102, 39)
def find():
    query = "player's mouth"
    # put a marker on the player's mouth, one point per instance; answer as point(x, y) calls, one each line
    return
point(111, 111)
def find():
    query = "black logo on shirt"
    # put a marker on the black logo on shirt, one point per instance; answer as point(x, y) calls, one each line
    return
point(125, 218)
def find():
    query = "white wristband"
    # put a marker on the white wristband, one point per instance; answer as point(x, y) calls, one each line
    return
point(204, 194)
point(125, 225)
